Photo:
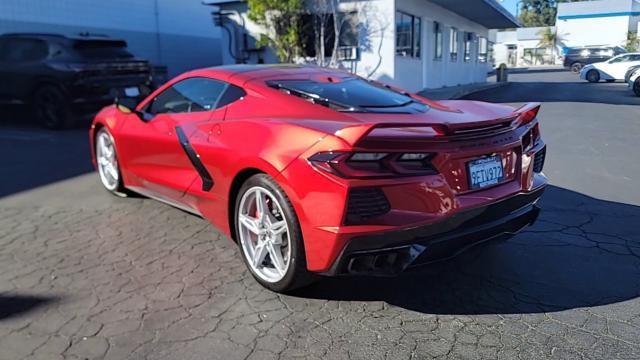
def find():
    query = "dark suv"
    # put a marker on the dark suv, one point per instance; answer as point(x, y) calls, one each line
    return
point(578, 57)
point(57, 75)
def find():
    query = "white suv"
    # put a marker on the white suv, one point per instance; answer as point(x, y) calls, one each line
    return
point(610, 70)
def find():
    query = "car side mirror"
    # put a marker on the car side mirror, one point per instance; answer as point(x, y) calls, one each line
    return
point(126, 105)
point(127, 100)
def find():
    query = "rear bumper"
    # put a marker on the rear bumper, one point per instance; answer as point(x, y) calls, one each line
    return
point(389, 253)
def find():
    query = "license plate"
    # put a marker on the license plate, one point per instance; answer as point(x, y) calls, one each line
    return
point(485, 172)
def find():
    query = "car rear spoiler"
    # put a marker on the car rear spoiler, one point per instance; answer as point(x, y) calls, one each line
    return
point(414, 131)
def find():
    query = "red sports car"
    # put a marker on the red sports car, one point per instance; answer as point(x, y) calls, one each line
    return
point(318, 171)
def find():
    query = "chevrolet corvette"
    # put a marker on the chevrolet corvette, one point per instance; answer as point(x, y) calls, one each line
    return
point(315, 171)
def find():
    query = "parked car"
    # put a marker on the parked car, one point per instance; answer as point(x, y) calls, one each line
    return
point(318, 171)
point(56, 75)
point(630, 72)
point(576, 58)
point(610, 70)
point(634, 81)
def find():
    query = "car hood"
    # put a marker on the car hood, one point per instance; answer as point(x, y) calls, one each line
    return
point(598, 65)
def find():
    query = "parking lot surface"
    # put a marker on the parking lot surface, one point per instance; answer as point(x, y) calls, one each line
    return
point(85, 275)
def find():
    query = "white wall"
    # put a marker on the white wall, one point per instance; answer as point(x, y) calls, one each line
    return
point(376, 41)
point(427, 72)
point(179, 34)
point(596, 30)
point(524, 38)
point(593, 31)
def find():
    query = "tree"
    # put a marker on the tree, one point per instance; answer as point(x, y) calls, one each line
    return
point(549, 39)
point(330, 23)
point(281, 19)
point(323, 14)
point(633, 43)
point(539, 12)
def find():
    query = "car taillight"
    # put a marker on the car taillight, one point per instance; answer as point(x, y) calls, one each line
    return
point(374, 164)
point(531, 137)
point(528, 115)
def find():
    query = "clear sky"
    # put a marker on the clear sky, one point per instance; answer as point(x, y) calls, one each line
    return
point(509, 5)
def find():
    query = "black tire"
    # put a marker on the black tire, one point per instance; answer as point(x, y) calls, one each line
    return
point(593, 76)
point(576, 67)
point(51, 108)
point(297, 274)
point(636, 87)
point(119, 190)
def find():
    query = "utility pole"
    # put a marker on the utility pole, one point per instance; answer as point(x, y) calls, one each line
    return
point(518, 4)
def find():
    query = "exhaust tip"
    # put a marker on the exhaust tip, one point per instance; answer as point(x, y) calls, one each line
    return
point(384, 263)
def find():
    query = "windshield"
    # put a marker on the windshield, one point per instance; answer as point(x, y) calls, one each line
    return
point(354, 92)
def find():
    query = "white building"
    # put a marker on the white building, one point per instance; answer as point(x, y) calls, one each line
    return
point(414, 44)
point(522, 48)
point(603, 22)
point(177, 34)
point(584, 23)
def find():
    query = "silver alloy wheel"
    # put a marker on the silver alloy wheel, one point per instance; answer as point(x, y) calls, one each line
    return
point(264, 234)
point(107, 161)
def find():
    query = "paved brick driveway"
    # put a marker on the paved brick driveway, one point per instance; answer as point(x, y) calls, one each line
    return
point(84, 275)
point(103, 277)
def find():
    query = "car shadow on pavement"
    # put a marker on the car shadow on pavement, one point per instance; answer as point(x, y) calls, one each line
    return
point(14, 305)
point(567, 91)
point(36, 157)
point(582, 252)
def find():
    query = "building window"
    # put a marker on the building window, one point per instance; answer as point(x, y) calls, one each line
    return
point(417, 30)
point(491, 56)
point(437, 31)
point(483, 49)
point(468, 39)
point(453, 44)
point(408, 29)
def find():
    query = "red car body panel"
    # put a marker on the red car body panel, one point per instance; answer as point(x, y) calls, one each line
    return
point(276, 133)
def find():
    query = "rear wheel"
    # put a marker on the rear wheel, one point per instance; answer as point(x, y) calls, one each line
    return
point(636, 87)
point(576, 67)
point(107, 163)
point(593, 76)
point(51, 108)
point(269, 235)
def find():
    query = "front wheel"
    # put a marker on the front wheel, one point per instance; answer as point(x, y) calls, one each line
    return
point(107, 163)
point(269, 235)
point(593, 76)
point(636, 87)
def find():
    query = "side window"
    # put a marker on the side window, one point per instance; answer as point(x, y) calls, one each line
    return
point(230, 95)
point(619, 59)
point(189, 95)
point(23, 50)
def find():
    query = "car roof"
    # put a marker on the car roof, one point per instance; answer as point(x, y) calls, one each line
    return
point(240, 74)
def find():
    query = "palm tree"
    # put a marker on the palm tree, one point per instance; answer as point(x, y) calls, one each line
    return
point(632, 42)
point(549, 39)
